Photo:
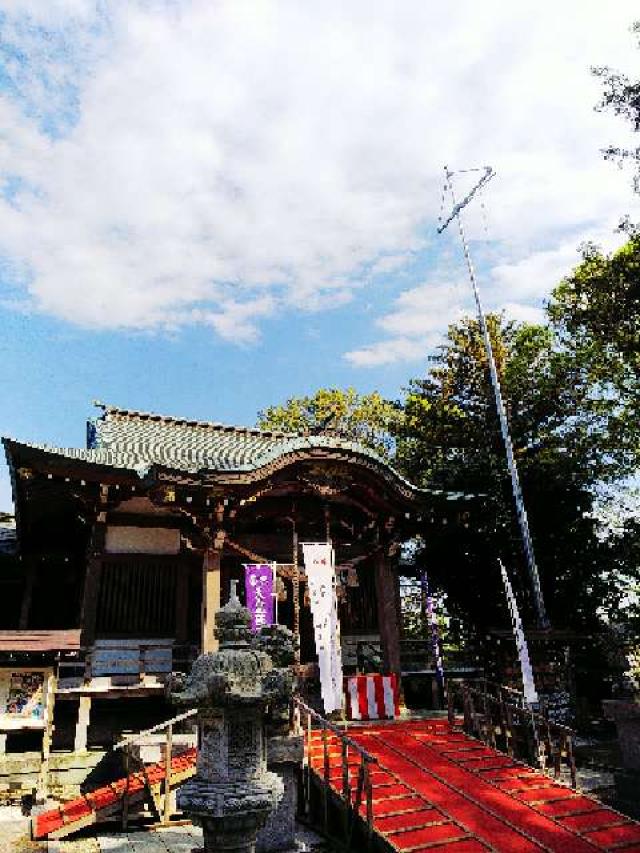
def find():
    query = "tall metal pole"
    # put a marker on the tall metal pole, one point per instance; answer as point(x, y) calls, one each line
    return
point(521, 511)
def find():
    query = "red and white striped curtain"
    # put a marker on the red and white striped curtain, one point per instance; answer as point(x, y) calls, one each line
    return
point(372, 697)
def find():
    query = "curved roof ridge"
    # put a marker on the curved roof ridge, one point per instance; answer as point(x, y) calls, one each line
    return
point(228, 461)
point(301, 442)
point(135, 414)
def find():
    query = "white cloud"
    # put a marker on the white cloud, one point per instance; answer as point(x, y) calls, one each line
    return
point(517, 287)
point(424, 310)
point(415, 322)
point(224, 160)
point(523, 313)
point(51, 13)
point(235, 321)
point(390, 351)
point(389, 264)
point(534, 273)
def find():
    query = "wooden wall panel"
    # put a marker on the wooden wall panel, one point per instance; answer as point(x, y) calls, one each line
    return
point(137, 597)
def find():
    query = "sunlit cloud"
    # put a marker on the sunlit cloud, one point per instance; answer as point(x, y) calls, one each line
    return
point(166, 164)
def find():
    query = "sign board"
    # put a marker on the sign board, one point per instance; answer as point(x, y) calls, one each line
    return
point(23, 697)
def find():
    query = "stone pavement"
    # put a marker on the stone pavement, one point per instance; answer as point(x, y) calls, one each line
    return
point(14, 838)
point(175, 839)
point(178, 839)
point(13, 828)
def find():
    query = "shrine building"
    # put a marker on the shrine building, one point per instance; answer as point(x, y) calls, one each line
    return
point(125, 549)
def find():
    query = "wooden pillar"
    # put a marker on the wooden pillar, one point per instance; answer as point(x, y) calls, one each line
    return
point(388, 621)
point(27, 596)
point(90, 601)
point(168, 754)
point(93, 576)
point(47, 737)
point(210, 597)
point(82, 724)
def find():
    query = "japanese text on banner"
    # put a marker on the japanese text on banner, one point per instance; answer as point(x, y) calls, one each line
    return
point(258, 579)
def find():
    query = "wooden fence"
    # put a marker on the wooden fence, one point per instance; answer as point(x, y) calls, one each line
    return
point(500, 717)
point(306, 721)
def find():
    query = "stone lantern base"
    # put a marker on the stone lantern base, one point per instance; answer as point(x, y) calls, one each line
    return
point(284, 757)
point(230, 814)
point(232, 833)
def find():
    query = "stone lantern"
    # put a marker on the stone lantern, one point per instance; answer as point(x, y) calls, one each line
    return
point(232, 793)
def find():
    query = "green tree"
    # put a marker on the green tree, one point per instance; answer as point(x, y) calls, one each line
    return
point(450, 439)
point(596, 310)
point(622, 96)
point(596, 315)
point(367, 418)
point(622, 603)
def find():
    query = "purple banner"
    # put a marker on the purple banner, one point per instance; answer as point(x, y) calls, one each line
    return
point(258, 579)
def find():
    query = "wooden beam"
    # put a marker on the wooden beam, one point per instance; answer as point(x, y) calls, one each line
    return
point(388, 622)
point(210, 598)
point(132, 519)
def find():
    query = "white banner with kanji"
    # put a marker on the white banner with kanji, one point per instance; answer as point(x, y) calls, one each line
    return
point(321, 578)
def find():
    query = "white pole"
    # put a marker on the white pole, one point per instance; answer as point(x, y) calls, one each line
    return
point(528, 683)
point(521, 511)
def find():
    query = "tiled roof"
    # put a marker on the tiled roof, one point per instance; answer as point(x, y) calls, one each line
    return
point(188, 445)
point(196, 445)
point(135, 441)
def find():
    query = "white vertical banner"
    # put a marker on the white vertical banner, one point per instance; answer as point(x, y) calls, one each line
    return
point(321, 578)
point(528, 684)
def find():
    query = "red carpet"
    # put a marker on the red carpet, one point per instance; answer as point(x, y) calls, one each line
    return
point(104, 801)
point(437, 788)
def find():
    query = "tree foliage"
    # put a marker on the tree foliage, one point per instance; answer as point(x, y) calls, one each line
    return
point(622, 96)
point(450, 439)
point(366, 418)
point(596, 314)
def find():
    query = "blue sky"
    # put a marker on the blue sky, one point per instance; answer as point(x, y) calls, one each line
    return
point(208, 207)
